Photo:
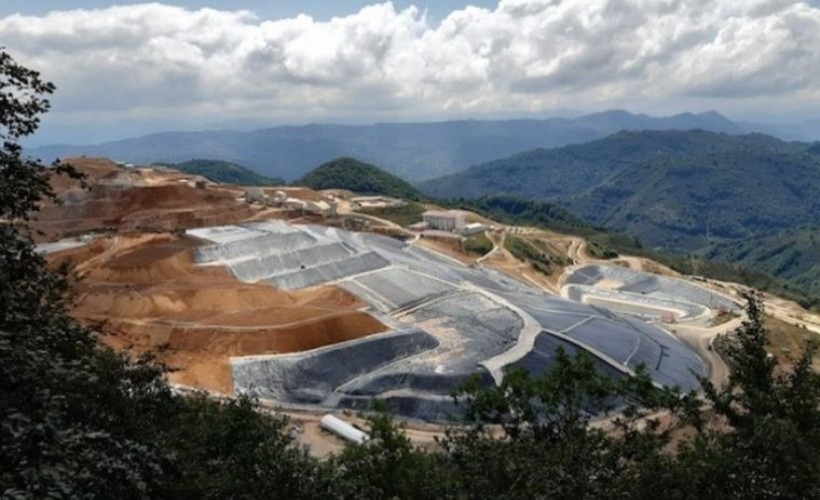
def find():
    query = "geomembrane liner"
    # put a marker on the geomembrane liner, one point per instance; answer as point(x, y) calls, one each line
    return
point(451, 322)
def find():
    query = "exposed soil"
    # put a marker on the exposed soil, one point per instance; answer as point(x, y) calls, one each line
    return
point(300, 192)
point(129, 200)
point(147, 295)
point(451, 248)
point(95, 169)
point(787, 342)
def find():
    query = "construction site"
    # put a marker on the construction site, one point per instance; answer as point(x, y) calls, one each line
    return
point(240, 297)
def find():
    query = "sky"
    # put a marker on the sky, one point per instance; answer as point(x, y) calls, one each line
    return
point(129, 68)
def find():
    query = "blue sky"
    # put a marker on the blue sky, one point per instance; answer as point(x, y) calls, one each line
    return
point(126, 68)
point(271, 9)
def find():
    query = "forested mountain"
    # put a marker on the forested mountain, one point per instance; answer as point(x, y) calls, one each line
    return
point(552, 174)
point(739, 188)
point(223, 171)
point(359, 177)
point(677, 191)
point(413, 151)
point(793, 254)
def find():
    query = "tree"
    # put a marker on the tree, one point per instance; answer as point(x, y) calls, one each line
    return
point(547, 447)
point(388, 465)
point(80, 421)
point(72, 414)
point(759, 436)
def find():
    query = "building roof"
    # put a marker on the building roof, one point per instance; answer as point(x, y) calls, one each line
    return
point(441, 213)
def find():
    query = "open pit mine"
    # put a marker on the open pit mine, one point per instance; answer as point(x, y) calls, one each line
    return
point(314, 317)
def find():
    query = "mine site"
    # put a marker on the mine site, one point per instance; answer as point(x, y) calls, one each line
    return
point(302, 299)
point(410, 249)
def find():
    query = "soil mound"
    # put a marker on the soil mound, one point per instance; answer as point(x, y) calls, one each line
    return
point(147, 293)
point(95, 169)
point(126, 207)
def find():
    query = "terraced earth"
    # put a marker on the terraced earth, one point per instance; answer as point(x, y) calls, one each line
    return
point(445, 322)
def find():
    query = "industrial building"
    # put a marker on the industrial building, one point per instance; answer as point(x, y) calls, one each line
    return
point(361, 202)
point(473, 228)
point(444, 220)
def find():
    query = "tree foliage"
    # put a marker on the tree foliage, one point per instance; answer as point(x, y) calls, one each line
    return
point(78, 420)
point(767, 441)
point(359, 177)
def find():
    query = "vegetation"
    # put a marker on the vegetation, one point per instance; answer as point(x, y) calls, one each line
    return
point(224, 171)
point(559, 173)
point(405, 215)
point(79, 420)
point(525, 251)
point(412, 151)
point(359, 177)
point(740, 187)
point(478, 244)
point(516, 210)
point(744, 199)
point(793, 255)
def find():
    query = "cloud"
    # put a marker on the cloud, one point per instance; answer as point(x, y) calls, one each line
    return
point(161, 62)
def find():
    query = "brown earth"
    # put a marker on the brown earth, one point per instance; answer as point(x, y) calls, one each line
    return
point(127, 206)
point(787, 342)
point(303, 193)
point(146, 294)
point(451, 248)
point(95, 169)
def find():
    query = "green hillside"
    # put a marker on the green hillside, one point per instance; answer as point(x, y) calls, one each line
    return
point(359, 177)
point(793, 254)
point(553, 174)
point(740, 189)
point(677, 191)
point(225, 172)
point(517, 210)
point(692, 192)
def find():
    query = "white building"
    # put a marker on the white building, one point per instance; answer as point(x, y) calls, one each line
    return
point(444, 220)
point(473, 228)
point(360, 202)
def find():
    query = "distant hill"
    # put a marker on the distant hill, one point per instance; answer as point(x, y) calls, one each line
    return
point(737, 187)
point(225, 172)
point(412, 151)
point(793, 254)
point(359, 177)
point(676, 191)
point(552, 174)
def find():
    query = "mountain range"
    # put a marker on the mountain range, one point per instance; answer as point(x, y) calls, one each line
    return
point(675, 190)
point(413, 151)
point(740, 198)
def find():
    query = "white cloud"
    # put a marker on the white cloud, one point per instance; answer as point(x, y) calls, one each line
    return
point(161, 62)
